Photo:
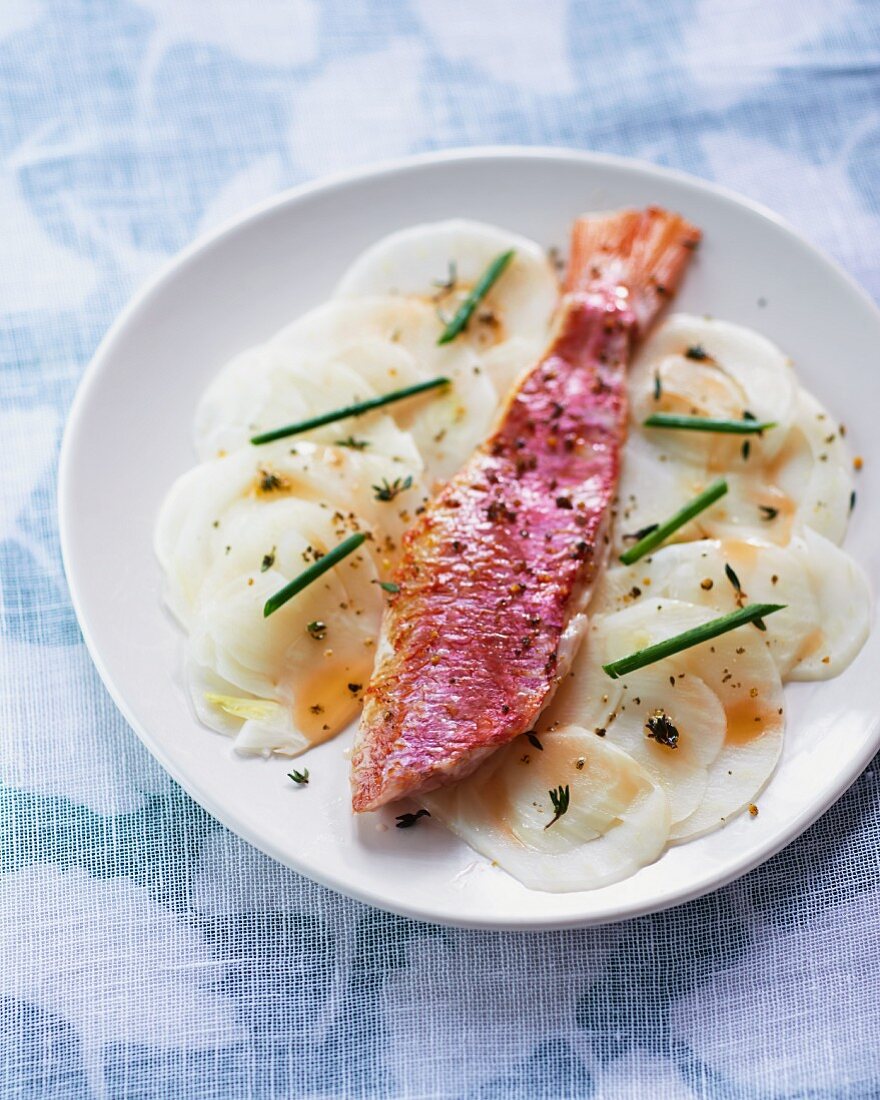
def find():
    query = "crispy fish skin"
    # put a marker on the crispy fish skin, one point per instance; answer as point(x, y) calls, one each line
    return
point(496, 574)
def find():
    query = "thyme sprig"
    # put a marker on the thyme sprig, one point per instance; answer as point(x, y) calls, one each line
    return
point(560, 798)
point(387, 491)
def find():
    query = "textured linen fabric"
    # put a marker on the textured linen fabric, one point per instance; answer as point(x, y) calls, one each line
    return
point(144, 950)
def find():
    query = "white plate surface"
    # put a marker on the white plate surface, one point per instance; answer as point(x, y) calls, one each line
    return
point(129, 436)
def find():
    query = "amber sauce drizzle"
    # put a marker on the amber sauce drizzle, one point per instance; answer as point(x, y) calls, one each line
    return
point(328, 689)
point(749, 719)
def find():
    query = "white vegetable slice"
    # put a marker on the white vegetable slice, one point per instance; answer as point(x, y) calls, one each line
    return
point(312, 678)
point(347, 351)
point(655, 484)
point(843, 608)
point(232, 533)
point(508, 360)
point(187, 536)
point(814, 469)
point(415, 260)
point(704, 367)
point(266, 388)
point(753, 736)
point(738, 670)
point(619, 710)
point(219, 503)
point(795, 474)
point(258, 726)
point(754, 507)
point(617, 820)
point(695, 572)
point(446, 425)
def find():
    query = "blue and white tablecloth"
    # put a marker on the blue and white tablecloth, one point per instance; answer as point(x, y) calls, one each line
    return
point(146, 952)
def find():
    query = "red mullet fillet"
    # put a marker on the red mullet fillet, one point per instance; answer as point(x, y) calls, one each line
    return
point(497, 573)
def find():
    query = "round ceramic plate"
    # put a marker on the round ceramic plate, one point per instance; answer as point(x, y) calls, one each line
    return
point(133, 415)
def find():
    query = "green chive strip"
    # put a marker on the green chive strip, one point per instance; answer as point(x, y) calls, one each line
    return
point(684, 515)
point(349, 410)
point(751, 613)
point(484, 284)
point(708, 424)
point(312, 573)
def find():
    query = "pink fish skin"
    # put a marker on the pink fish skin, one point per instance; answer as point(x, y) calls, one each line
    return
point(497, 573)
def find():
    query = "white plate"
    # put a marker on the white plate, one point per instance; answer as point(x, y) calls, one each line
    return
point(129, 436)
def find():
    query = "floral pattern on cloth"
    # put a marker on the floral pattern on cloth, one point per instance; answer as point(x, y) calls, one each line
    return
point(144, 950)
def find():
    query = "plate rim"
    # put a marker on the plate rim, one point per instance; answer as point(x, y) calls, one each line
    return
point(91, 375)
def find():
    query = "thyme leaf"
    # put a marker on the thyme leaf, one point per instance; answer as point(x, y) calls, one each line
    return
point(560, 799)
point(406, 821)
point(387, 491)
point(447, 284)
point(637, 536)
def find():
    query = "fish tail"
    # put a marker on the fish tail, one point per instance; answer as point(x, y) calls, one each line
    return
point(645, 251)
